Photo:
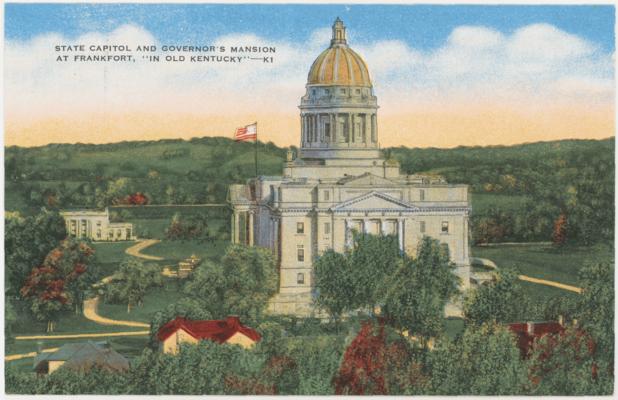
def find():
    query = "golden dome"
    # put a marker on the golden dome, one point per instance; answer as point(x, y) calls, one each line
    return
point(339, 64)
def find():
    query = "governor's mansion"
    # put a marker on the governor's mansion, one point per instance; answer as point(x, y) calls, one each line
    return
point(339, 182)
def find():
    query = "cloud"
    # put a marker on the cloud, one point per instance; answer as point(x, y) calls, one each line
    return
point(534, 68)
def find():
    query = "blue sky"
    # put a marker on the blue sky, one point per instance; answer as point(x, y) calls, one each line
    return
point(422, 26)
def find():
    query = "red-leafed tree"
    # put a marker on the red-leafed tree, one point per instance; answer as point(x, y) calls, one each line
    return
point(363, 365)
point(372, 365)
point(559, 234)
point(136, 199)
point(63, 280)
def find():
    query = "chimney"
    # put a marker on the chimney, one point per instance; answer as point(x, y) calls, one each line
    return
point(561, 320)
point(530, 328)
point(232, 321)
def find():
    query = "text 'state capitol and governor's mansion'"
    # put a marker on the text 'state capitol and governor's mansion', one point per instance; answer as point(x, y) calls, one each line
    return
point(340, 183)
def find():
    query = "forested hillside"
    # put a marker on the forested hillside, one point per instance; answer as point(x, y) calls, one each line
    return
point(561, 191)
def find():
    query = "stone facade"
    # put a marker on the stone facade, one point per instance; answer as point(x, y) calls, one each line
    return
point(95, 225)
point(340, 183)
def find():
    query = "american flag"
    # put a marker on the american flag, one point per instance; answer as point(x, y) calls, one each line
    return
point(248, 132)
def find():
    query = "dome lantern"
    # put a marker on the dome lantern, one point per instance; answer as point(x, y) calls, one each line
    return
point(338, 33)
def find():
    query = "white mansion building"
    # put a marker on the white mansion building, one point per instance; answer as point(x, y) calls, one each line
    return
point(339, 183)
point(95, 225)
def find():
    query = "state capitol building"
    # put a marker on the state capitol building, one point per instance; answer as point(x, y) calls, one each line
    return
point(340, 182)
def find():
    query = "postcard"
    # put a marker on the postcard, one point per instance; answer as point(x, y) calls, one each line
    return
point(309, 199)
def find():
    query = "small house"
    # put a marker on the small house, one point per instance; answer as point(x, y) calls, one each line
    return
point(182, 330)
point(81, 357)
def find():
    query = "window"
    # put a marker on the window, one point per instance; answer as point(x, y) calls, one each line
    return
point(326, 195)
point(300, 253)
point(327, 228)
point(98, 234)
point(300, 227)
point(300, 278)
point(422, 226)
point(444, 227)
point(313, 92)
point(326, 91)
point(98, 223)
point(342, 91)
point(422, 195)
point(357, 91)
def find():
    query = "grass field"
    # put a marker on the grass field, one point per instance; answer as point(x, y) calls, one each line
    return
point(177, 250)
point(482, 202)
point(545, 262)
point(156, 299)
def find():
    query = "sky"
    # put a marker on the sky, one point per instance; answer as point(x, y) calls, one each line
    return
point(444, 75)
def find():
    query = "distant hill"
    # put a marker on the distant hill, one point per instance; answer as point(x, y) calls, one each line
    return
point(520, 189)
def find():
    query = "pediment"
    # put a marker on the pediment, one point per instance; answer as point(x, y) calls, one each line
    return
point(374, 201)
point(366, 179)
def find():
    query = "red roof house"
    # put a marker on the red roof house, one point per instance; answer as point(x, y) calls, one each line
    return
point(182, 330)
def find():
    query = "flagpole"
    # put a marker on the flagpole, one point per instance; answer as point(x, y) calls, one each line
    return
point(256, 157)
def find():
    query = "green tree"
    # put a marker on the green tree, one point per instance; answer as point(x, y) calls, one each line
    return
point(500, 300)
point(595, 310)
point(333, 284)
point(241, 285)
point(27, 240)
point(419, 290)
point(563, 365)
point(485, 360)
point(199, 369)
point(372, 258)
point(131, 282)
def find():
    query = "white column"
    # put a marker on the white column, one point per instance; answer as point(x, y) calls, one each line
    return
point(366, 225)
point(346, 234)
point(236, 228)
point(400, 232)
point(374, 128)
point(251, 239)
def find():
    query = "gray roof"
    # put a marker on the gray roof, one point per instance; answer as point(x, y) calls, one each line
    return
point(83, 356)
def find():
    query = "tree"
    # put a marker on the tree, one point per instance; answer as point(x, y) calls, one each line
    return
point(563, 364)
point(131, 282)
point(500, 300)
point(485, 360)
point(76, 263)
point(363, 365)
point(372, 258)
point(45, 288)
point(333, 284)
point(559, 234)
point(241, 285)
point(61, 281)
point(419, 290)
point(196, 369)
point(595, 311)
point(27, 240)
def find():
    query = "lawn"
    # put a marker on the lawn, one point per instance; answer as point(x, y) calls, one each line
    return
point(156, 299)
point(545, 262)
point(177, 250)
point(109, 255)
point(482, 202)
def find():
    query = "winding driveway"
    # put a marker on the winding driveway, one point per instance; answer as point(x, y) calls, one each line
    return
point(490, 264)
point(136, 249)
